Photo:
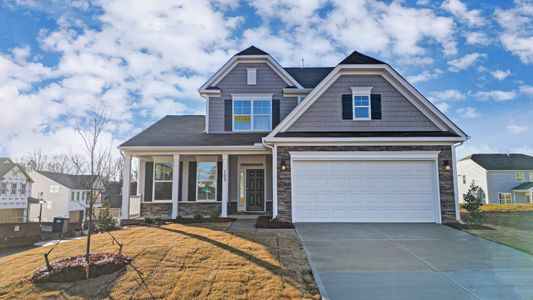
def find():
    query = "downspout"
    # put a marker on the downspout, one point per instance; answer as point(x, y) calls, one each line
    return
point(274, 177)
point(455, 188)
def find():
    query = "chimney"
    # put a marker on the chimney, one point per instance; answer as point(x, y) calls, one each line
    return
point(302, 63)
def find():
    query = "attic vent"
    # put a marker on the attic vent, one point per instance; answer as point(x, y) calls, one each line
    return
point(251, 77)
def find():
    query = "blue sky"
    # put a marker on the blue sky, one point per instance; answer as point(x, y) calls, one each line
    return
point(142, 60)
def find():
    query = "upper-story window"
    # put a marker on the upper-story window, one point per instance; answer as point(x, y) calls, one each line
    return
point(23, 188)
point(251, 76)
point(252, 113)
point(3, 189)
point(73, 196)
point(13, 188)
point(361, 103)
point(520, 176)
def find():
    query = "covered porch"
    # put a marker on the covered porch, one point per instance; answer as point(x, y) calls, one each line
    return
point(198, 183)
point(523, 193)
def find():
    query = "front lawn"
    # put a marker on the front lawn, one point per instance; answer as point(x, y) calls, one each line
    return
point(175, 261)
point(504, 208)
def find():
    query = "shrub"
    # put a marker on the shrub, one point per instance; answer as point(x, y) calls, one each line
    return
point(474, 215)
point(105, 220)
point(158, 221)
point(148, 221)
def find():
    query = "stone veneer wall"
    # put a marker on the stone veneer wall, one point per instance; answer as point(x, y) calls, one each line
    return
point(190, 209)
point(447, 198)
point(155, 209)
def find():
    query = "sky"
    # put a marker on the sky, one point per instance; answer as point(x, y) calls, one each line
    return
point(141, 60)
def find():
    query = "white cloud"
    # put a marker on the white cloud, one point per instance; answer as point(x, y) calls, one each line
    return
point(468, 112)
point(497, 95)
point(449, 95)
point(516, 129)
point(477, 38)
point(526, 89)
point(442, 106)
point(470, 17)
point(470, 148)
point(500, 74)
point(464, 62)
point(424, 76)
point(517, 33)
point(522, 149)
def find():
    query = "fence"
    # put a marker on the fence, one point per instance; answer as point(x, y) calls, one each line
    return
point(19, 234)
point(135, 206)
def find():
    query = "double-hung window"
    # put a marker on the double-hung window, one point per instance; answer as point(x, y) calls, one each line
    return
point(206, 187)
point(13, 188)
point(162, 181)
point(505, 198)
point(520, 176)
point(23, 189)
point(252, 113)
point(4, 188)
point(361, 103)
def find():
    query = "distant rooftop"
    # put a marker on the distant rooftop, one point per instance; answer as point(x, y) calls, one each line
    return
point(75, 182)
point(498, 161)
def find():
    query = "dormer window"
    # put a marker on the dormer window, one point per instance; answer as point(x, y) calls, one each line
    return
point(252, 112)
point(251, 78)
point(361, 103)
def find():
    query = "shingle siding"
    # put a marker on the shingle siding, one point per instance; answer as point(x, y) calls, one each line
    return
point(445, 176)
point(398, 114)
point(268, 82)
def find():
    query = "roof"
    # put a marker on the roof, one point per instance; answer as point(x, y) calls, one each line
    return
point(523, 186)
point(75, 182)
point(357, 58)
point(500, 161)
point(252, 50)
point(367, 134)
point(176, 131)
point(309, 77)
point(6, 164)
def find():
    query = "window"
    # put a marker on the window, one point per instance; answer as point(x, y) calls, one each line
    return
point(4, 188)
point(519, 176)
point(23, 188)
point(78, 194)
point(251, 76)
point(361, 103)
point(252, 115)
point(83, 196)
point(73, 196)
point(206, 181)
point(505, 198)
point(464, 179)
point(531, 176)
point(162, 181)
point(13, 188)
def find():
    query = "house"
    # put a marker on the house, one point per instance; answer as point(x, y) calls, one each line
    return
point(64, 195)
point(502, 178)
point(113, 195)
point(350, 143)
point(15, 191)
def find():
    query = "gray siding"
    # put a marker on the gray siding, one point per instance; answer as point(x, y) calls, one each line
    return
point(398, 114)
point(472, 172)
point(502, 182)
point(235, 82)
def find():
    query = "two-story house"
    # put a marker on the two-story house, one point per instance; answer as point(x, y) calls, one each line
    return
point(64, 195)
point(502, 178)
point(350, 143)
point(15, 189)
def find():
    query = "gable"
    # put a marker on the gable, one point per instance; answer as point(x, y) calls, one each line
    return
point(398, 113)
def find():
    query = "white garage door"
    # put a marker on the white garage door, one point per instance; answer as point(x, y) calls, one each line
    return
point(364, 191)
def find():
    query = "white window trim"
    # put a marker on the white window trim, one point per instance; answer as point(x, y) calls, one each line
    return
point(154, 181)
point(361, 91)
point(523, 176)
point(251, 98)
point(530, 174)
point(198, 174)
point(251, 76)
point(510, 195)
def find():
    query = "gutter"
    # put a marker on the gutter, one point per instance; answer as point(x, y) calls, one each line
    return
point(455, 187)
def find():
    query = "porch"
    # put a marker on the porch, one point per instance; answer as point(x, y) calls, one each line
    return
point(206, 184)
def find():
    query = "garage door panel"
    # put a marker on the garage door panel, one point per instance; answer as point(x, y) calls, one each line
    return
point(364, 191)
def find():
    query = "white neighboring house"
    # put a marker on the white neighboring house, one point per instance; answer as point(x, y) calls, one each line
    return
point(15, 189)
point(65, 196)
point(502, 178)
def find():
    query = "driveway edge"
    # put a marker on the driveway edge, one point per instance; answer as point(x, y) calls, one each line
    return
point(320, 285)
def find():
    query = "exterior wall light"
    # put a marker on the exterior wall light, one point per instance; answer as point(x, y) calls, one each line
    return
point(447, 166)
point(283, 165)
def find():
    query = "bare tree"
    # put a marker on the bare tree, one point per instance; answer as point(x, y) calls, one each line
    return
point(37, 160)
point(97, 158)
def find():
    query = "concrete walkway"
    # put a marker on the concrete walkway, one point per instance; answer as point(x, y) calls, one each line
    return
point(247, 226)
point(412, 261)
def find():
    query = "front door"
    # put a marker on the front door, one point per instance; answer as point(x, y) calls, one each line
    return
point(255, 194)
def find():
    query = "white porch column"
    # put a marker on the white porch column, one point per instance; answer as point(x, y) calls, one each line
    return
point(530, 196)
point(275, 181)
point(126, 182)
point(175, 185)
point(225, 186)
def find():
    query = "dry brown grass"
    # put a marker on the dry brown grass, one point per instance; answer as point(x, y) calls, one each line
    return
point(176, 261)
point(505, 207)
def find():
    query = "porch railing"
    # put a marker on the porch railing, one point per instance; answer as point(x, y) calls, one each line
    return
point(135, 206)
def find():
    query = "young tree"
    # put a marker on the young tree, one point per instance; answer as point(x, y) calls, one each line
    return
point(97, 156)
point(105, 220)
point(474, 215)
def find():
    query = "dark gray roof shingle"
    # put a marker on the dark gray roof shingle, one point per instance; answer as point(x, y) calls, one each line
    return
point(252, 50)
point(357, 58)
point(6, 164)
point(309, 77)
point(75, 182)
point(176, 131)
point(502, 161)
point(346, 134)
point(523, 186)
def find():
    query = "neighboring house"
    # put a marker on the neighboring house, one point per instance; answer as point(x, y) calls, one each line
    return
point(502, 178)
point(350, 143)
point(113, 195)
point(64, 195)
point(15, 191)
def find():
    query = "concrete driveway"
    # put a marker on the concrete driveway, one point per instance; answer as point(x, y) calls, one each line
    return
point(412, 261)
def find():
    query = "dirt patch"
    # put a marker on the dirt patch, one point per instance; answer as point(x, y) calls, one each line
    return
point(462, 226)
point(73, 268)
point(268, 222)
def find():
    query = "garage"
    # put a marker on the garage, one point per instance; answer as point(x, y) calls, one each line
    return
point(365, 187)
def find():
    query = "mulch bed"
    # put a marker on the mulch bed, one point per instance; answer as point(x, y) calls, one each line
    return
point(269, 223)
point(462, 226)
point(202, 220)
point(73, 268)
